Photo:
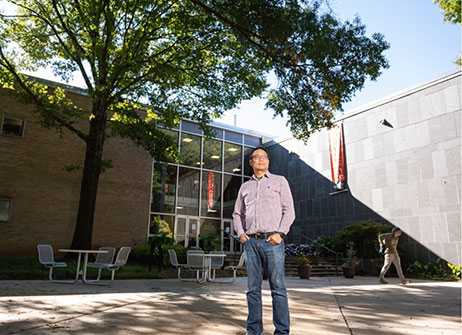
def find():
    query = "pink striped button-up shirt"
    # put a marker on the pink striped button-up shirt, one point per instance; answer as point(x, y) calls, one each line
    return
point(264, 205)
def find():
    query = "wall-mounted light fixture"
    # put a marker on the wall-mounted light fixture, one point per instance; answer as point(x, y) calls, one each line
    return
point(385, 123)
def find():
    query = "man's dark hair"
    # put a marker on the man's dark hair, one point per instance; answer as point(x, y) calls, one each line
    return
point(258, 148)
point(395, 229)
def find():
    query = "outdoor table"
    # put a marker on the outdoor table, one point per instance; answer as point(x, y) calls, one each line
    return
point(208, 265)
point(83, 272)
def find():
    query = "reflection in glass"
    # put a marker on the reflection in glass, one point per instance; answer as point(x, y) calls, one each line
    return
point(233, 158)
point(248, 171)
point(231, 188)
point(163, 188)
point(210, 234)
point(156, 225)
point(188, 192)
point(190, 150)
point(212, 154)
point(173, 134)
point(211, 194)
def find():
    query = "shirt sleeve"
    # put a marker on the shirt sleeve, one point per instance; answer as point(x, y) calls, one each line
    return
point(287, 206)
point(381, 240)
point(239, 214)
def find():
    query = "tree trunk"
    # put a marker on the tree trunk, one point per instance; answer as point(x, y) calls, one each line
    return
point(92, 168)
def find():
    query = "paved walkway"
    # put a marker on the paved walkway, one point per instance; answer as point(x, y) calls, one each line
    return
point(320, 305)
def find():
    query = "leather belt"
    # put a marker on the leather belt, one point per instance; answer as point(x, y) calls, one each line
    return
point(262, 236)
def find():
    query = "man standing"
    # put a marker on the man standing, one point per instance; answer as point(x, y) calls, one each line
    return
point(389, 242)
point(263, 214)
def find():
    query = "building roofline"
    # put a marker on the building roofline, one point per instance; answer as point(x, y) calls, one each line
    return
point(399, 95)
point(387, 99)
point(82, 91)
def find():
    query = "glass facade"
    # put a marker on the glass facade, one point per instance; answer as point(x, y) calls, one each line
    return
point(196, 196)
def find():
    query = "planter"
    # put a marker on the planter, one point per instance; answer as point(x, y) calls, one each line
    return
point(349, 271)
point(304, 271)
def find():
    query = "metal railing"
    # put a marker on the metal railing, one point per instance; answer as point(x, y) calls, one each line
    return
point(336, 253)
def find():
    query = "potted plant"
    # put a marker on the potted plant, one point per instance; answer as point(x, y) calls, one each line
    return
point(304, 267)
point(349, 267)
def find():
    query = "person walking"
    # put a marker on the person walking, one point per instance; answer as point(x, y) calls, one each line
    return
point(263, 214)
point(388, 246)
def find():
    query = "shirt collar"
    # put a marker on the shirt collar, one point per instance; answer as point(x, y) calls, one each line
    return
point(267, 175)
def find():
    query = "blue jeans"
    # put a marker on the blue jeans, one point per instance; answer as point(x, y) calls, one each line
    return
point(258, 253)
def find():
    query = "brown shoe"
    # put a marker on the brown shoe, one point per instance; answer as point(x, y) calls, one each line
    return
point(404, 282)
point(383, 281)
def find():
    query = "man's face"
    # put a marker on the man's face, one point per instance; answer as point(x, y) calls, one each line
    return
point(397, 233)
point(259, 160)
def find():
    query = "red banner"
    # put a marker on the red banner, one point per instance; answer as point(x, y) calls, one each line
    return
point(337, 156)
point(210, 189)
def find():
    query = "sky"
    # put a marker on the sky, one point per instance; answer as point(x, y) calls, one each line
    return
point(422, 47)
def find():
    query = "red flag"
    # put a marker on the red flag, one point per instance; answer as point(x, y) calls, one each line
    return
point(210, 188)
point(337, 156)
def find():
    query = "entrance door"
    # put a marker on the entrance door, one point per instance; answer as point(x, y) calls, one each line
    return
point(187, 230)
point(229, 244)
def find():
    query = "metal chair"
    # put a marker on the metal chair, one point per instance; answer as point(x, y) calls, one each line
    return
point(121, 260)
point(102, 259)
point(196, 262)
point(237, 267)
point(216, 263)
point(176, 264)
point(45, 253)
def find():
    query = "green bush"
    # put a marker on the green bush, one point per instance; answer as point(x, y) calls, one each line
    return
point(455, 271)
point(429, 270)
point(326, 241)
point(140, 254)
point(364, 236)
point(210, 242)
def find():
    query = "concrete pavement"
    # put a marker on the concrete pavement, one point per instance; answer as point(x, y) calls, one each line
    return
point(320, 305)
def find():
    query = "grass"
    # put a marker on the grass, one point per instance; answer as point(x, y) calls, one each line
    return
point(16, 268)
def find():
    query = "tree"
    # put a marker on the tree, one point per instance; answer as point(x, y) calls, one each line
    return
point(182, 59)
point(451, 10)
point(451, 13)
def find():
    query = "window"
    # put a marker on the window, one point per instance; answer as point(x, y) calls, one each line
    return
point(191, 127)
point(190, 150)
point(248, 171)
point(188, 192)
point(250, 140)
point(233, 137)
point(13, 125)
point(212, 154)
point(174, 135)
point(233, 158)
point(211, 194)
point(162, 223)
point(231, 185)
point(6, 207)
point(163, 188)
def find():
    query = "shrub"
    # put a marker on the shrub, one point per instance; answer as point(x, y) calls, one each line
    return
point(364, 236)
point(326, 241)
point(429, 270)
point(455, 271)
point(303, 261)
point(351, 256)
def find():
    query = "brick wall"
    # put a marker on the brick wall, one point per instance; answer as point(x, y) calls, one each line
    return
point(46, 196)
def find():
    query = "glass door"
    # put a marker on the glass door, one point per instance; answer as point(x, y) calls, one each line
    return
point(186, 230)
point(228, 243)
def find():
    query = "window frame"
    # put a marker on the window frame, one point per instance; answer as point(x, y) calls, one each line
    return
point(14, 117)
